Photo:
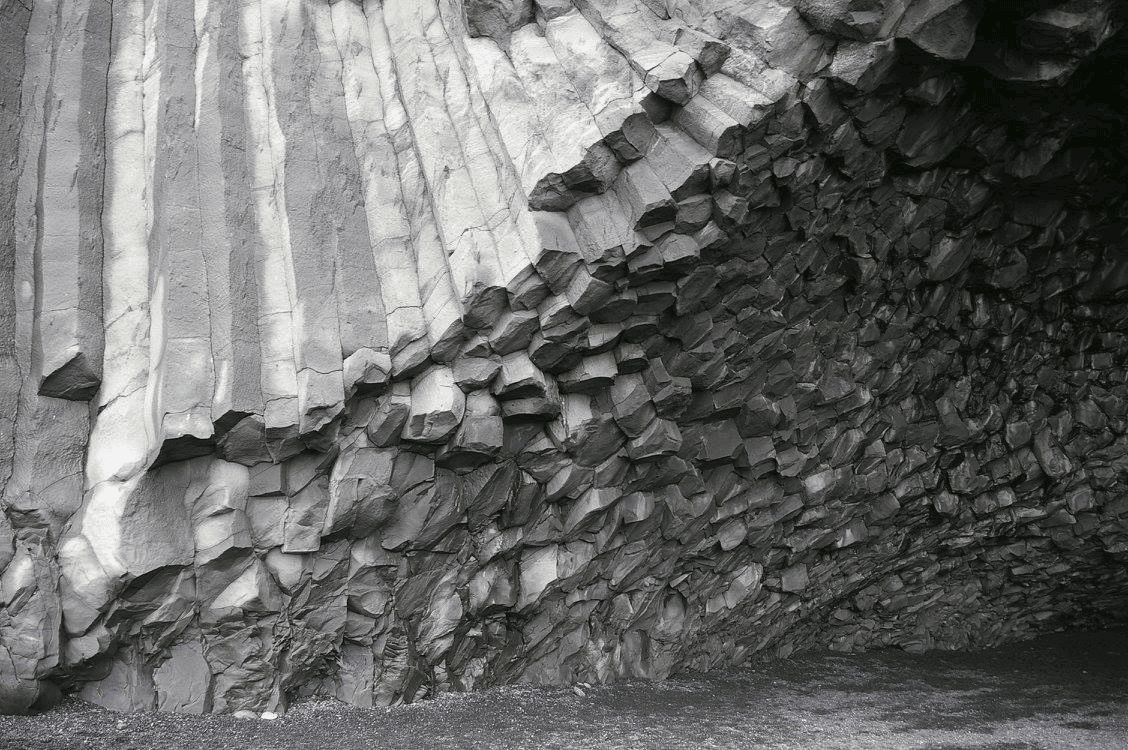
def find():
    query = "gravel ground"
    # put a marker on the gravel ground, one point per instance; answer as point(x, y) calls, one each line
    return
point(1060, 691)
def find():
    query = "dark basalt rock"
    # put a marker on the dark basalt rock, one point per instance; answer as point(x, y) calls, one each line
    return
point(75, 381)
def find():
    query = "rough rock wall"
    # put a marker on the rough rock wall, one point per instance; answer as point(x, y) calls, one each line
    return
point(357, 356)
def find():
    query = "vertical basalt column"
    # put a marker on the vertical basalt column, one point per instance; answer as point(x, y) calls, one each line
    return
point(274, 269)
point(436, 105)
point(180, 309)
point(224, 215)
point(68, 247)
point(516, 234)
point(123, 438)
point(360, 305)
point(295, 63)
point(14, 19)
point(234, 288)
point(390, 164)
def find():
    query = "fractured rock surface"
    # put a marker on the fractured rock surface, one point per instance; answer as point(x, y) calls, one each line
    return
point(376, 349)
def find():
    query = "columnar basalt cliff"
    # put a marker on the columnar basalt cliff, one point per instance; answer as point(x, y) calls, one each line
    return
point(375, 349)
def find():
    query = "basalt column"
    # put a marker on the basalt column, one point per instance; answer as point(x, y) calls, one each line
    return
point(370, 350)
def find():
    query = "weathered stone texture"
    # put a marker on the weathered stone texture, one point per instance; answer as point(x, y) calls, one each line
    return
point(375, 349)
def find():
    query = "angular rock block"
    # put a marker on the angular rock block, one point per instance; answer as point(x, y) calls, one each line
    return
point(437, 407)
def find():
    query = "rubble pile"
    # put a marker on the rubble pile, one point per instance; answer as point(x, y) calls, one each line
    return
point(378, 349)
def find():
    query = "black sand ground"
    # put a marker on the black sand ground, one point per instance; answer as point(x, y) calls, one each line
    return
point(1062, 691)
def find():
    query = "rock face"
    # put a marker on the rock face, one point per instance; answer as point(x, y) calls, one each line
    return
point(376, 349)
